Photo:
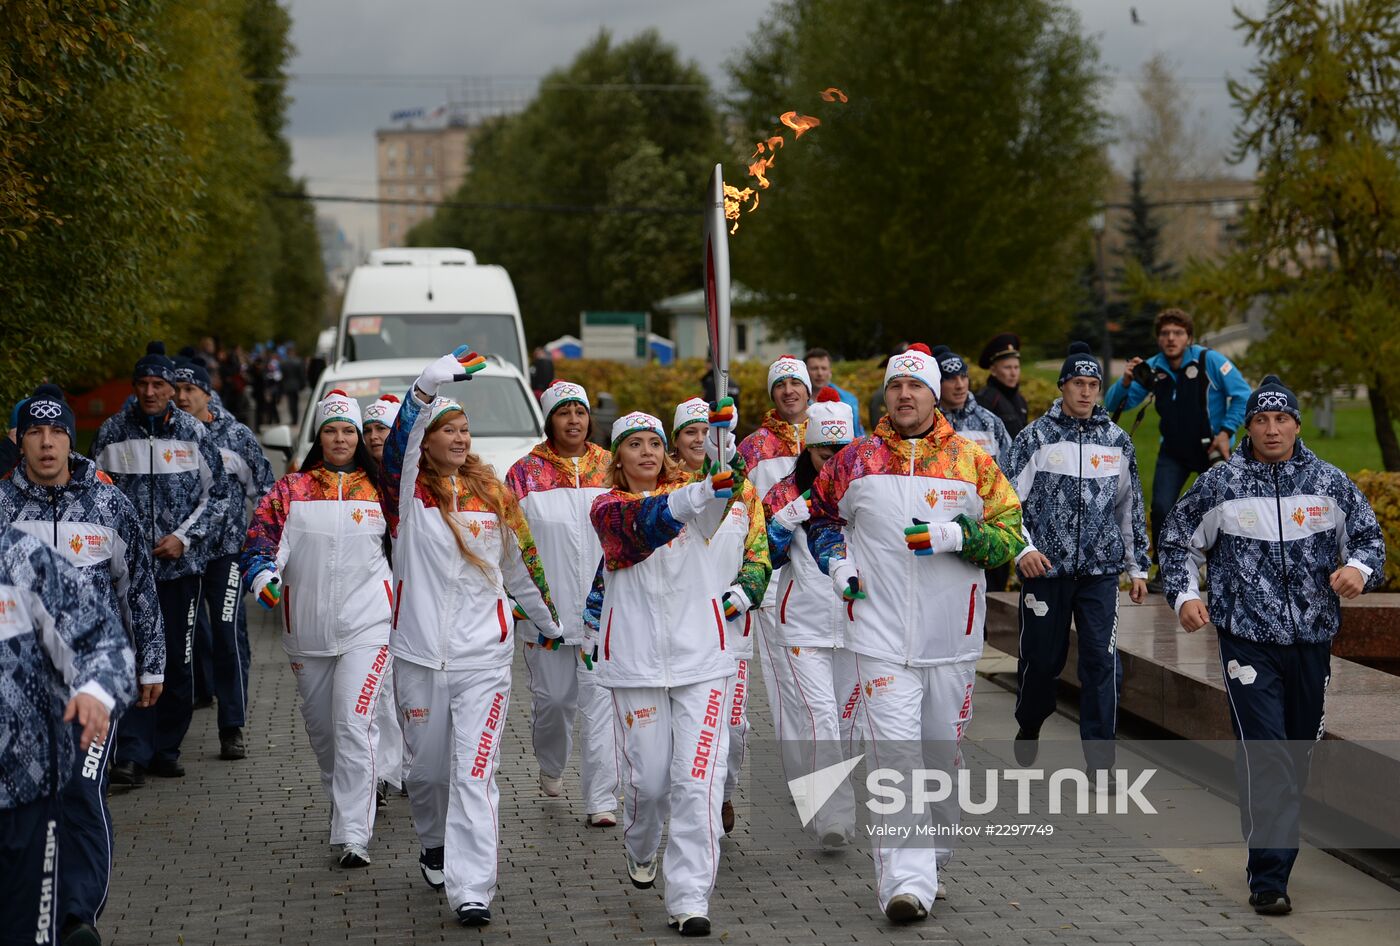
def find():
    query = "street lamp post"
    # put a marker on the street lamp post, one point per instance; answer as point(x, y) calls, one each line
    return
point(1098, 223)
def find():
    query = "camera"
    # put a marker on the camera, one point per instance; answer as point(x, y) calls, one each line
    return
point(1144, 374)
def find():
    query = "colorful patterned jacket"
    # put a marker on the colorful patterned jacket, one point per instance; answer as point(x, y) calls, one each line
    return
point(451, 613)
point(56, 641)
point(921, 610)
point(982, 427)
point(556, 494)
point(247, 472)
point(1081, 498)
point(659, 613)
point(324, 533)
point(770, 452)
point(809, 613)
point(1270, 536)
point(172, 472)
point(92, 525)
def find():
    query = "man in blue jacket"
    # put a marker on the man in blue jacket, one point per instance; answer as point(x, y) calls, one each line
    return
point(1200, 398)
point(818, 362)
point(221, 650)
point(1284, 536)
point(64, 660)
point(170, 469)
point(56, 496)
point(1081, 501)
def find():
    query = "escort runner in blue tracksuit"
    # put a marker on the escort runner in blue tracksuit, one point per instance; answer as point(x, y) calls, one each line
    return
point(64, 658)
point(1283, 535)
point(1200, 398)
point(170, 469)
point(1081, 500)
point(971, 420)
point(57, 497)
point(221, 653)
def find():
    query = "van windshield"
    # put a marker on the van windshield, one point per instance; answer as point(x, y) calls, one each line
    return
point(496, 405)
point(369, 337)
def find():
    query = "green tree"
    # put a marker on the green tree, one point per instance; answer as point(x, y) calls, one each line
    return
point(92, 190)
point(1317, 249)
point(1141, 258)
point(625, 125)
point(948, 198)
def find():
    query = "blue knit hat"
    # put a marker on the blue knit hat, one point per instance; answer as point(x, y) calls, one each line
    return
point(950, 365)
point(46, 407)
point(154, 364)
point(1080, 363)
point(191, 370)
point(1271, 395)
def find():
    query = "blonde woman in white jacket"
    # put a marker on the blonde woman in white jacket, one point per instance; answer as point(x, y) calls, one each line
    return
point(315, 550)
point(664, 657)
point(462, 550)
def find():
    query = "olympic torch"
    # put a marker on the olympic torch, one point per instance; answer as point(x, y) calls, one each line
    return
point(717, 298)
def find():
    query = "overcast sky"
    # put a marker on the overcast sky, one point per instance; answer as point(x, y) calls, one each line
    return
point(427, 50)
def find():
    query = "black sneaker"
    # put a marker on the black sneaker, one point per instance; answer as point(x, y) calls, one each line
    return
point(166, 768)
point(1027, 747)
point(905, 908)
point(1271, 903)
point(231, 746)
point(474, 914)
point(128, 774)
point(430, 866)
point(1093, 775)
point(690, 924)
point(76, 933)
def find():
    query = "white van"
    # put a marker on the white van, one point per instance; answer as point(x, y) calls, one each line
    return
point(418, 302)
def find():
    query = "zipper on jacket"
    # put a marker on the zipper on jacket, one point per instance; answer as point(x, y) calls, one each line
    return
point(1283, 557)
point(912, 563)
point(151, 480)
point(53, 510)
point(1079, 496)
point(339, 539)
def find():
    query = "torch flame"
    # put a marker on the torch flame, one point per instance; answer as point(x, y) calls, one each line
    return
point(765, 152)
point(800, 124)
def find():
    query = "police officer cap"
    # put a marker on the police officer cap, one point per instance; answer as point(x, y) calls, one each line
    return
point(1004, 345)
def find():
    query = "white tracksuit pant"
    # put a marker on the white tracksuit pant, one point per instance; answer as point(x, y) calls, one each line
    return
point(389, 755)
point(738, 727)
point(560, 687)
point(769, 644)
point(819, 718)
point(453, 724)
point(914, 716)
point(338, 700)
point(674, 745)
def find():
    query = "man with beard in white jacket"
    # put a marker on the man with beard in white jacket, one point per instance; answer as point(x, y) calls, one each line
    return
point(904, 521)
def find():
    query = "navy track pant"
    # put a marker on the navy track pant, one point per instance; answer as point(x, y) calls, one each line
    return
point(155, 732)
point(221, 654)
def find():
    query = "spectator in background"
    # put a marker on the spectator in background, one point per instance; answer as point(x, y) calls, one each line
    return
point(293, 381)
point(234, 393)
point(1002, 395)
point(819, 369)
point(541, 370)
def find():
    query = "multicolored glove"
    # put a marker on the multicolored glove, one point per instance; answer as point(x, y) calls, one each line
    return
point(795, 513)
point(846, 580)
point(267, 586)
point(589, 659)
point(458, 366)
point(692, 500)
point(723, 413)
point(722, 483)
point(549, 643)
point(926, 538)
point(517, 612)
point(736, 603)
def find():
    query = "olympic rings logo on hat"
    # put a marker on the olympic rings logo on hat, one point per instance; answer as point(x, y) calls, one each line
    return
point(562, 389)
point(835, 428)
point(638, 419)
point(951, 365)
point(909, 363)
point(1087, 366)
point(376, 410)
point(184, 375)
point(45, 410)
point(335, 407)
point(698, 409)
point(1271, 401)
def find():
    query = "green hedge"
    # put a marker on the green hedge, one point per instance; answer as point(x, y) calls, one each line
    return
point(1383, 490)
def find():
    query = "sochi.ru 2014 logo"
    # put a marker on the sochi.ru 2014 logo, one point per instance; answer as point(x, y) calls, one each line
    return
point(358, 516)
point(76, 544)
point(1298, 516)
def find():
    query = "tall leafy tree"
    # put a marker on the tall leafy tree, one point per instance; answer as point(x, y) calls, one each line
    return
point(624, 126)
point(1141, 257)
point(1320, 114)
point(948, 198)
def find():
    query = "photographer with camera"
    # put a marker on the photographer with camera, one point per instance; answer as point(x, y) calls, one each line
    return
point(1200, 398)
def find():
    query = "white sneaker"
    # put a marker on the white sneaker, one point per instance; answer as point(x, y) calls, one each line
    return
point(603, 819)
point(942, 893)
point(642, 873)
point(690, 924)
point(354, 855)
point(551, 786)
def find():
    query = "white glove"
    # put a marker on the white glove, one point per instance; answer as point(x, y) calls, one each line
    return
point(794, 513)
point(736, 603)
point(712, 443)
point(691, 501)
point(262, 579)
point(945, 536)
point(458, 366)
